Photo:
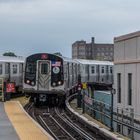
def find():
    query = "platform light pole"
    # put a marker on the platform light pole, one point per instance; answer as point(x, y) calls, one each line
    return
point(113, 91)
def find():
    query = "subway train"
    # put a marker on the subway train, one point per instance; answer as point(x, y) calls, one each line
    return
point(50, 78)
point(11, 70)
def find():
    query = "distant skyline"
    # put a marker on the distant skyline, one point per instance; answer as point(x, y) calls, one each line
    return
point(32, 26)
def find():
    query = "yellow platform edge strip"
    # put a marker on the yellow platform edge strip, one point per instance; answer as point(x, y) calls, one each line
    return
point(10, 108)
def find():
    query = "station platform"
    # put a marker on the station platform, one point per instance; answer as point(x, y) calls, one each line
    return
point(16, 124)
point(104, 129)
point(7, 131)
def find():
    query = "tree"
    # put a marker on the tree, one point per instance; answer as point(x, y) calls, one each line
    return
point(58, 53)
point(9, 54)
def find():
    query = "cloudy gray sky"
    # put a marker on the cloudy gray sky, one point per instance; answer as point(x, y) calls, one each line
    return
point(31, 26)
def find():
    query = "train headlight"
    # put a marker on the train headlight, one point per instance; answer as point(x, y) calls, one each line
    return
point(59, 82)
point(32, 83)
point(28, 81)
point(54, 84)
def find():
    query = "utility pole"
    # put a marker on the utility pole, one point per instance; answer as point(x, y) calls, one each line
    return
point(111, 116)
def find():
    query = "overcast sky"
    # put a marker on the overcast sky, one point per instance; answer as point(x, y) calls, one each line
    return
point(32, 26)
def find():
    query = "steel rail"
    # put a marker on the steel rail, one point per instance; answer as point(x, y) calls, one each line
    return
point(51, 132)
point(82, 133)
point(62, 128)
point(68, 118)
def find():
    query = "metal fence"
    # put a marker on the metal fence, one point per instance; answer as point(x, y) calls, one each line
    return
point(123, 119)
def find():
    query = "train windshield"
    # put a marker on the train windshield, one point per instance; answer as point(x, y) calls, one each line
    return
point(31, 68)
point(44, 68)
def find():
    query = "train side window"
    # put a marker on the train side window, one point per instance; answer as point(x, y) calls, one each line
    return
point(92, 69)
point(86, 69)
point(0, 68)
point(14, 69)
point(20, 68)
point(7, 68)
point(111, 70)
point(44, 68)
point(102, 69)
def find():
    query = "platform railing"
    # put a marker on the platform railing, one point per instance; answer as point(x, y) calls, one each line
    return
point(123, 117)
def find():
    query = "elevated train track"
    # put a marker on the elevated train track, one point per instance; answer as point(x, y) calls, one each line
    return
point(62, 124)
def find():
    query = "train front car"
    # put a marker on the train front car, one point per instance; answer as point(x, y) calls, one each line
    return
point(44, 79)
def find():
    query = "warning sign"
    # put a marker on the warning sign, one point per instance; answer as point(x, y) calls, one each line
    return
point(10, 87)
point(84, 85)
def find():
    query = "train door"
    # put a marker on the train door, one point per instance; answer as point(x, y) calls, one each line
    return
point(44, 75)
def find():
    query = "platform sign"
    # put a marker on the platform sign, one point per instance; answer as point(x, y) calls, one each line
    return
point(84, 85)
point(44, 56)
point(10, 87)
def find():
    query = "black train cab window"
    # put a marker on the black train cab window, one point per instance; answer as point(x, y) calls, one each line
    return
point(44, 68)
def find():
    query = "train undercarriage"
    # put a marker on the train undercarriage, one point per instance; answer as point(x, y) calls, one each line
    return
point(47, 99)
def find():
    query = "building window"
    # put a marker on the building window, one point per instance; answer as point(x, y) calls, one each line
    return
point(102, 69)
point(14, 69)
point(119, 87)
point(0, 68)
point(92, 69)
point(102, 54)
point(129, 88)
point(7, 68)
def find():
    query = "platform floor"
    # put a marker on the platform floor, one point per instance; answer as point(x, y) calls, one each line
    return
point(25, 127)
point(7, 131)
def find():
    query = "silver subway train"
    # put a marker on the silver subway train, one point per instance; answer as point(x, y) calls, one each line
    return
point(49, 77)
point(11, 70)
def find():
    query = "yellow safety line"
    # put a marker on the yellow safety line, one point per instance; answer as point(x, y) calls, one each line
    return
point(23, 124)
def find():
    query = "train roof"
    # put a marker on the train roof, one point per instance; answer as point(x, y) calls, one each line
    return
point(88, 62)
point(69, 59)
point(12, 59)
point(95, 62)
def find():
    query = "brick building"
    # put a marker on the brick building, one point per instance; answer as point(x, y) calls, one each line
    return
point(83, 50)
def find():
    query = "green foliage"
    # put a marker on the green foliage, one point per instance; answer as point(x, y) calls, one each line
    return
point(58, 53)
point(9, 54)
